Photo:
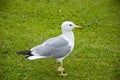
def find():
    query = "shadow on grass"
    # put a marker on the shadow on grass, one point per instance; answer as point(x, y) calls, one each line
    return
point(117, 69)
point(3, 4)
point(116, 3)
point(2, 76)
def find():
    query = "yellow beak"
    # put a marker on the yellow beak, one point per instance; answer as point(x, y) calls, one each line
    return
point(78, 27)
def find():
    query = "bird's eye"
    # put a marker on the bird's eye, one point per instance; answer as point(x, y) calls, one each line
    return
point(70, 24)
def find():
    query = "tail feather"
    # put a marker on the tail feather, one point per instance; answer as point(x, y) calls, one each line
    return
point(35, 57)
point(25, 53)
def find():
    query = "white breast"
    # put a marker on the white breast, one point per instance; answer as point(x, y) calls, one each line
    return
point(70, 38)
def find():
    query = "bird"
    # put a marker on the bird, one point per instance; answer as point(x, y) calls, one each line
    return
point(58, 47)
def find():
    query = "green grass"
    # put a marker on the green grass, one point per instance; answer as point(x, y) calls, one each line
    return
point(27, 23)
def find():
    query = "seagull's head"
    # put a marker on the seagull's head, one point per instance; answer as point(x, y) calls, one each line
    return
point(69, 26)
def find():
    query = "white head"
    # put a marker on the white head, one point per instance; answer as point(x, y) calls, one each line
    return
point(68, 26)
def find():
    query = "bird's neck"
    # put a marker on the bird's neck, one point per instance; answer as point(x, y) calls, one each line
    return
point(69, 35)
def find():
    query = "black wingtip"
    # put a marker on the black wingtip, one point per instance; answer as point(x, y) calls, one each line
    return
point(17, 52)
point(24, 52)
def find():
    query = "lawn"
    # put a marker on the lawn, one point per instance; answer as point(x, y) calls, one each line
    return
point(27, 23)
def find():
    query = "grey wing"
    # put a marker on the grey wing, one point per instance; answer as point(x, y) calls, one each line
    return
point(39, 47)
point(56, 48)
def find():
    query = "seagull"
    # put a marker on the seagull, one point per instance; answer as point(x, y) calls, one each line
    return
point(57, 47)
